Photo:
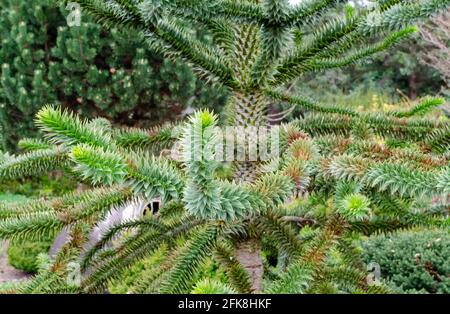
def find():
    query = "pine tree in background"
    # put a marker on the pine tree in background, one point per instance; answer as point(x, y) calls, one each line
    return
point(91, 70)
point(341, 172)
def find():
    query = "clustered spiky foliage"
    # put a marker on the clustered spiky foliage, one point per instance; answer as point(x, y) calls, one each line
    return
point(340, 172)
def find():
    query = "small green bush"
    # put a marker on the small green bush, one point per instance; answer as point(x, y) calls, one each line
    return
point(23, 254)
point(36, 187)
point(413, 261)
point(97, 72)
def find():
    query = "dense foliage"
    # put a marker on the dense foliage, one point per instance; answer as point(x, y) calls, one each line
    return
point(91, 70)
point(414, 261)
point(341, 173)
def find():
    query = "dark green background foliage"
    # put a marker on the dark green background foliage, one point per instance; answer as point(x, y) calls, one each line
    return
point(91, 70)
point(398, 256)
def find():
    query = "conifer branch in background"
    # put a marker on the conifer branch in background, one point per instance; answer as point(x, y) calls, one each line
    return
point(340, 172)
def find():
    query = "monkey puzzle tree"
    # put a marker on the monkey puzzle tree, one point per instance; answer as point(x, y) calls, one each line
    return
point(339, 173)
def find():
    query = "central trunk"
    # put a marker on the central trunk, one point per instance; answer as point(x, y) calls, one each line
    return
point(248, 253)
point(250, 111)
